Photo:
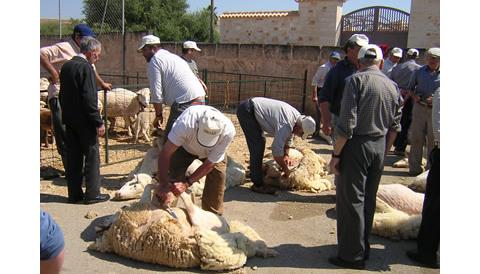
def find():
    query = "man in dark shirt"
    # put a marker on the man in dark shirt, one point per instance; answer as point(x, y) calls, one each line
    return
point(369, 119)
point(330, 96)
point(80, 114)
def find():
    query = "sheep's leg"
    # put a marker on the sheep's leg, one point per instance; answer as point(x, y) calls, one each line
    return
point(137, 131)
point(128, 125)
point(112, 124)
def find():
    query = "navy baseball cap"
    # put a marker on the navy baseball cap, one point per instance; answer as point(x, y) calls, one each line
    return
point(83, 30)
point(335, 55)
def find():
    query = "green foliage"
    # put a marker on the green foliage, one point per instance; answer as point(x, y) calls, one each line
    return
point(167, 19)
point(51, 27)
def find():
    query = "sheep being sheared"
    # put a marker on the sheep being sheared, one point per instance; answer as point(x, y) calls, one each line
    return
point(180, 237)
point(398, 212)
point(308, 170)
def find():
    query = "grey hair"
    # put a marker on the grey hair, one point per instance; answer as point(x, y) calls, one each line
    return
point(369, 62)
point(88, 44)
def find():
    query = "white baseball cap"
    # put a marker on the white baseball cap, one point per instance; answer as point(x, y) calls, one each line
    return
point(397, 52)
point(308, 125)
point(412, 52)
point(191, 45)
point(210, 127)
point(148, 40)
point(370, 51)
point(434, 52)
point(359, 39)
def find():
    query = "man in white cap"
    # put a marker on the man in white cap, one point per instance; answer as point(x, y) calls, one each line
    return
point(401, 75)
point(368, 122)
point(172, 82)
point(278, 119)
point(393, 59)
point(200, 132)
point(189, 49)
point(422, 85)
point(330, 96)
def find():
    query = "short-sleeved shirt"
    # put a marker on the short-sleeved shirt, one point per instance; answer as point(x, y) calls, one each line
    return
point(184, 133)
point(332, 89)
point(192, 64)
point(51, 237)
point(388, 65)
point(402, 73)
point(172, 80)
point(319, 77)
point(277, 118)
point(424, 82)
point(371, 105)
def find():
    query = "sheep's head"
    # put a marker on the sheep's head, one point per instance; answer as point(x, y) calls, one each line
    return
point(143, 96)
point(134, 188)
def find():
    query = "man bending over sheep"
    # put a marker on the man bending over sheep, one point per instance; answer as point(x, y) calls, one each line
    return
point(370, 111)
point(200, 132)
point(277, 118)
point(171, 81)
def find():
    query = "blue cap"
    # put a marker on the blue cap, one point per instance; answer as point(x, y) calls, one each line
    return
point(335, 55)
point(83, 30)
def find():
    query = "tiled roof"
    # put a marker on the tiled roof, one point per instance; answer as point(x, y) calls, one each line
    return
point(253, 14)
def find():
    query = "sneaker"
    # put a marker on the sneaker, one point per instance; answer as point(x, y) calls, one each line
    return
point(263, 189)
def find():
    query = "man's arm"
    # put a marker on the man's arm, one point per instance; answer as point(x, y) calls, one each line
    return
point(340, 142)
point(104, 85)
point(45, 63)
point(158, 115)
point(89, 96)
point(326, 95)
point(326, 117)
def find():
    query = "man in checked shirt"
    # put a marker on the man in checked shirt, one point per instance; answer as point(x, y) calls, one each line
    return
point(369, 119)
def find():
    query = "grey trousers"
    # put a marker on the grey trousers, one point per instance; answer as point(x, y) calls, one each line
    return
point(361, 166)
point(421, 126)
point(59, 130)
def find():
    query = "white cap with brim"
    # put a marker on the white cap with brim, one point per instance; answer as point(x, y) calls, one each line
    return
point(210, 128)
point(308, 125)
point(359, 39)
point(397, 52)
point(434, 52)
point(370, 51)
point(412, 52)
point(191, 45)
point(148, 40)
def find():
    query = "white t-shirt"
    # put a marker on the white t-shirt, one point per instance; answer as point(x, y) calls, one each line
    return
point(319, 77)
point(184, 133)
point(172, 80)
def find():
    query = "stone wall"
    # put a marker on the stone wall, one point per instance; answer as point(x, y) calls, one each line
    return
point(316, 23)
point(424, 29)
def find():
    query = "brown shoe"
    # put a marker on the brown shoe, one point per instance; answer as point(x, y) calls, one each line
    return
point(263, 189)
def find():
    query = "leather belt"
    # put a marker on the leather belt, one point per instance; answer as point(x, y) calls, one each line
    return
point(424, 104)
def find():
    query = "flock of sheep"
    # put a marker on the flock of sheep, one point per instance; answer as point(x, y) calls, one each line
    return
point(184, 235)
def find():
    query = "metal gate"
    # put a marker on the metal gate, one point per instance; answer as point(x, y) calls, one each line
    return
point(382, 25)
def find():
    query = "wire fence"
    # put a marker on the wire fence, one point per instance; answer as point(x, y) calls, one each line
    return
point(225, 91)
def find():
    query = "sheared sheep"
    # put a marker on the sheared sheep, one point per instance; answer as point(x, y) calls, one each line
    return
point(419, 183)
point(143, 121)
point(180, 238)
point(398, 212)
point(308, 170)
point(124, 103)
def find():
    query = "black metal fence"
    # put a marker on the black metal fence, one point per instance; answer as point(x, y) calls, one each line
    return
point(225, 91)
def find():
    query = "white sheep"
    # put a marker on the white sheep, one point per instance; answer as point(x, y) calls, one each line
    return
point(124, 103)
point(143, 121)
point(308, 170)
point(398, 212)
point(180, 237)
point(420, 182)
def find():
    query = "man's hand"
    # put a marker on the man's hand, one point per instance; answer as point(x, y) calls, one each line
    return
point(429, 100)
point(178, 188)
point(106, 86)
point(327, 128)
point(287, 160)
point(101, 130)
point(314, 99)
point(161, 192)
point(158, 121)
point(335, 166)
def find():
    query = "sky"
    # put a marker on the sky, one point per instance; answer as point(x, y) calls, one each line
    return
point(73, 8)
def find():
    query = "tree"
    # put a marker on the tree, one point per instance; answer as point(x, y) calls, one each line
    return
point(197, 26)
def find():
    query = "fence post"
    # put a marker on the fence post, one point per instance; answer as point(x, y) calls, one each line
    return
point(239, 87)
point(304, 90)
point(265, 88)
point(138, 80)
point(105, 123)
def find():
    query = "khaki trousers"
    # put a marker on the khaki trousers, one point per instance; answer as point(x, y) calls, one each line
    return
point(420, 128)
point(213, 192)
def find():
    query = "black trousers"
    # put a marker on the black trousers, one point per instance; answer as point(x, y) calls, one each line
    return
point(58, 129)
point(361, 166)
point(82, 147)
point(255, 140)
point(402, 138)
point(428, 239)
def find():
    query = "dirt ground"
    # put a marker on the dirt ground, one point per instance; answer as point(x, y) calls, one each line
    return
point(303, 224)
